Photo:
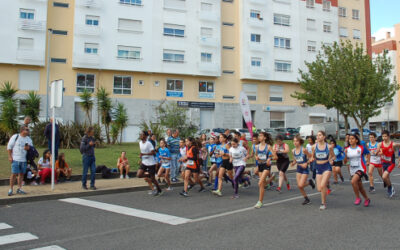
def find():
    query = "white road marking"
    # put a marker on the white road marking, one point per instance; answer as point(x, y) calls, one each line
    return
point(393, 183)
point(5, 226)
point(163, 218)
point(14, 238)
point(53, 247)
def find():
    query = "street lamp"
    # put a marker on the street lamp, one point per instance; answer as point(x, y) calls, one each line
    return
point(50, 31)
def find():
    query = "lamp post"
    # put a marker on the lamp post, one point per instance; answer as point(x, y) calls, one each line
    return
point(50, 31)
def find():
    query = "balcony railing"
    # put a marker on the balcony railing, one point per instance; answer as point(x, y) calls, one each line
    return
point(86, 60)
point(258, 72)
point(88, 30)
point(35, 57)
point(254, 46)
point(28, 24)
point(209, 67)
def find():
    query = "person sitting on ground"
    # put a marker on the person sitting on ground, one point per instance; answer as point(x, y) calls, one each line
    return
point(44, 166)
point(62, 168)
point(123, 164)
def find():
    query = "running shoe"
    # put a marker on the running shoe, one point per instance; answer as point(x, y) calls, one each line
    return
point(209, 184)
point(170, 189)
point(83, 187)
point(306, 201)
point(278, 189)
point(392, 192)
point(258, 204)
point(288, 186)
point(121, 176)
point(357, 201)
point(312, 183)
point(217, 193)
point(201, 190)
point(335, 183)
point(342, 179)
point(154, 192)
point(371, 189)
point(10, 192)
point(241, 185)
point(367, 202)
point(329, 191)
point(127, 177)
point(190, 187)
point(322, 207)
point(93, 188)
point(184, 194)
point(236, 196)
point(20, 191)
point(159, 193)
point(150, 192)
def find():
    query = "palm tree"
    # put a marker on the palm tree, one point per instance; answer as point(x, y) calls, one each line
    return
point(87, 104)
point(8, 117)
point(7, 91)
point(104, 106)
point(121, 119)
point(32, 109)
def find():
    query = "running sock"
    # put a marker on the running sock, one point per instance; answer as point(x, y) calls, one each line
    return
point(216, 183)
point(227, 178)
point(390, 188)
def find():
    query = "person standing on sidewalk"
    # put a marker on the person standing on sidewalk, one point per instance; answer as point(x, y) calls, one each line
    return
point(88, 144)
point(48, 134)
point(17, 147)
point(173, 146)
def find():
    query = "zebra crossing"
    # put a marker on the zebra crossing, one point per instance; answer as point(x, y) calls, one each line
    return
point(9, 239)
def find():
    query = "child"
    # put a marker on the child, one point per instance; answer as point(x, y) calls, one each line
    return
point(211, 148)
point(123, 164)
point(44, 166)
point(165, 159)
point(238, 157)
point(62, 167)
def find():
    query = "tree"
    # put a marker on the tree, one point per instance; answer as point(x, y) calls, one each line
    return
point(345, 78)
point(156, 128)
point(9, 114)
point(104, 107)
point(7, 91)
point(32, 109)
point(87, 104)
point(121, 119)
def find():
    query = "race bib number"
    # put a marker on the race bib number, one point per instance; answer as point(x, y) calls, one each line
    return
point(299, 158)
point(262, 157)
point(190, 162)
point(321, 155)
point(387, 158)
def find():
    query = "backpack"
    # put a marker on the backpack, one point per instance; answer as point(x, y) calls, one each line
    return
point(83, 142)
point(31, 153)
point(105, 171)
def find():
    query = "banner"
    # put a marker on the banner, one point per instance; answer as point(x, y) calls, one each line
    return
point(244, 105)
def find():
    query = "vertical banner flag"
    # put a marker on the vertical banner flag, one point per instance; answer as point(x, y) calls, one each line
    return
point(244, 105)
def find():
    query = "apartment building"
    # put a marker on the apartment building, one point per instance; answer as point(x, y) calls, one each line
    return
point(197, 53)
point(388, 41)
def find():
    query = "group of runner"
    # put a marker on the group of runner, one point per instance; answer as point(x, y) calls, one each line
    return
point(228, 154)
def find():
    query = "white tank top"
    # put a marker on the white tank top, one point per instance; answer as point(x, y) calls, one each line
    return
point(375, 158)
point(354, 155)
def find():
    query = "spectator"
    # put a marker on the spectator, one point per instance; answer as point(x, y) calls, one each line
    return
point(123, 164)
point(27, 121)
point(152, 140)
point(48, 134)
point(62, 168)
point(227, 132)
point(88, 144)
point(17, 147)
point(173, 146)
point(169, 134)
point(44, 166)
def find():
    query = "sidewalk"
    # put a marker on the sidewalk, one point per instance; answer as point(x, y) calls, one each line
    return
point(74, 189)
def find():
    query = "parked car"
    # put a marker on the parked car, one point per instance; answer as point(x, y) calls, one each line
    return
point(310, 129)
point(395, 135)
point(243, 131)
point(217, 131)
point(365, 133)
point(272, 132)
point(287, 133)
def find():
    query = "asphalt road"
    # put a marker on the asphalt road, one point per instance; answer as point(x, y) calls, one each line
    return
point(207, 222)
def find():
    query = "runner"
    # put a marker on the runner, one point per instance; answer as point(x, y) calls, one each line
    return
point(309, 146)
point(165, 161)
point(254, 143)
point(355, 155)
point(148, 164)
point(300, 156)
point(386, 149)
point(375, 161)
point(263, 156)
point(323, 155)
point(238, 157)
point(281, 156)
point(338, 163)
point(211, 148)
point(181, 160)
point(226, 166)
point(192, 166)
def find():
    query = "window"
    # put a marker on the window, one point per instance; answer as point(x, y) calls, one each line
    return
point(283, 66)
point(122, 85)
point(206, 89)
point(311, 24)
point(25, 43)
point(174, 56)
point(356, 34)
point(356, 14)
point(206, 32)
point(174, 30)
point(326, 5)
point(276, 119)
point(227, 24)
point(91, 48)
point(206, 6)
point(228, 47)
point(128, 52)
point(206, 57)
point(280, 19)
point(84, 81)
point(174, 4)
point(129, 25)
point(26, 14)
point(60, 32)
point(28, 79)
point(62, 5)
point(256, 62)
point(327, 27)
point(280, 42)
point(131, 2)
point(92, 20)
point(310, 3)
point(229, 72)
point(256, 14)
point(275, 93)
point(251, 91)
point(174, 85)
point(255, 38)
point(343, 32)
point(58, 60)
point(311, 46)
point(342, 12)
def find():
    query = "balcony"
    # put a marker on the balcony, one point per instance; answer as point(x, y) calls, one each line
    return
point(254, 46)
point(208, 16)
point(87, 30)
point(28, 24)
point(260, 2)
point(211, 68)
point(256, 22)
point(209, 42)
point(95, 4)
point(32, 57)
point(88, 60)
point(258, 72)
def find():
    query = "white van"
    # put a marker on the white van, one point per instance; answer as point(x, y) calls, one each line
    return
point(310, 129)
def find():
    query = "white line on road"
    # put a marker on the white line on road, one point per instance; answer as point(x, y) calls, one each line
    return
point(4, 226)
point(163, 218)
point(53, 247)
point(14, 238)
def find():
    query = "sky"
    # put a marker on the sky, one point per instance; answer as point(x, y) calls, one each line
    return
point(384, 14)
